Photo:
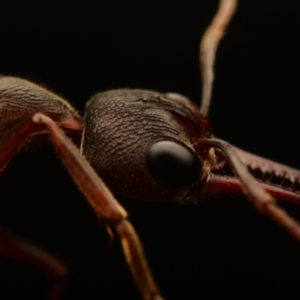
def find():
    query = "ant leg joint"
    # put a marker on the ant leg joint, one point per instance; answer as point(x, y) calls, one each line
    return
point(264, 203)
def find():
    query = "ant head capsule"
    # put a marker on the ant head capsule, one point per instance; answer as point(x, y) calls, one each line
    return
point(140, 143)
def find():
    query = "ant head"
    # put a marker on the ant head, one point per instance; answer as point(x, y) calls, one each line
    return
point(141, 143)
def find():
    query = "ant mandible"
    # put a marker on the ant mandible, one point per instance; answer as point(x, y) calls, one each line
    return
point(184, 119)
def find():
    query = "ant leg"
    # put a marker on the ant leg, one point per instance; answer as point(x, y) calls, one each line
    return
point(95, 191)
point(14, 139)
point(21, 250)
point(261, 199)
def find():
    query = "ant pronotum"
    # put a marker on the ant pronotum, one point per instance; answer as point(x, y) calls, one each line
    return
point(199, 236)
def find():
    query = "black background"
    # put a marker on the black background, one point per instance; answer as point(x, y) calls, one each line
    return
point(222, 246)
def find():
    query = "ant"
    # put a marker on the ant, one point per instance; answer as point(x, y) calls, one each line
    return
point(231, 28)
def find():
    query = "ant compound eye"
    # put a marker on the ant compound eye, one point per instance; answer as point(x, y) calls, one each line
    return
point(173, 163)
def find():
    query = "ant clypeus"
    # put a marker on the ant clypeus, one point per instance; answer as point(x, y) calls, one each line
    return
point(169, 253)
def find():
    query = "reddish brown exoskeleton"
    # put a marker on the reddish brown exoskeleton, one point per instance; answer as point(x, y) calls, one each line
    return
point(184, 120)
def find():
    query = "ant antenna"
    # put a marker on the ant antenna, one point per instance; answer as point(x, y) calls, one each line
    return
point(208, 49)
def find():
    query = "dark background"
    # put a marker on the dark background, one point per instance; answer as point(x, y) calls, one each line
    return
point(221, 246)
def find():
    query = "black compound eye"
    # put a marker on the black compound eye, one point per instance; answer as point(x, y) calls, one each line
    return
point(173, 163)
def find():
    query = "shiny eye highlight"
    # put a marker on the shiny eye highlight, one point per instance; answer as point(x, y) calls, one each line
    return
point(173, 163)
